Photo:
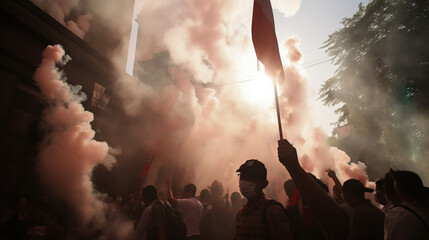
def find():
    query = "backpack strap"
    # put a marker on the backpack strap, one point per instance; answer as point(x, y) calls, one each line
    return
point(267, 204)
point(165, 204)
point(416, 215)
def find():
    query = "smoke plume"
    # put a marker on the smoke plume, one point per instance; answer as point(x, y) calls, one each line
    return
point(69, 152)
point(199, 129)
point(198, 122)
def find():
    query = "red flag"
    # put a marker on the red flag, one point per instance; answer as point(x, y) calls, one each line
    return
point(266, 46)
point(146, 168)
point(264, 37)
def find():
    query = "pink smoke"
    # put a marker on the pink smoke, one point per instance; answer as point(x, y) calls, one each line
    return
point(301, 127)
point(199, 133)
point(69, 153)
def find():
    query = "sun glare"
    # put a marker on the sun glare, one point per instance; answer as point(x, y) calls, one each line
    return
point(259, 90)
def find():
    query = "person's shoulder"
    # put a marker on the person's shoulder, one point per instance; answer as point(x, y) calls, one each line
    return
point(159, 207)
point(418, 207)
point(276, 214)
point(197, 202)
point(394, 213)
point(402, 219)
point(368, 212)
point(182, 200)
point(372, 208)
point(394, 209)
point(189, 201)
point(347, 210)
point(413, 210)
point(273, 207)
point(400, 214)
point(272, 202)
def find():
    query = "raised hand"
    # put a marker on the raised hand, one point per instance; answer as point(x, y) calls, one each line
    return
point(331, 173)
point(287, 154)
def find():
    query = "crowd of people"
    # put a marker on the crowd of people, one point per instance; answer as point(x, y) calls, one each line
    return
point(310, 212)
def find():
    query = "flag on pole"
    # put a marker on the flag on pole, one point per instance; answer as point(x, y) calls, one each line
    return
point(266, 46)
point(264, 37)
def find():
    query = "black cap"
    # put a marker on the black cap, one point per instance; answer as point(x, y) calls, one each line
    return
point(254, 168)
point(355, 186)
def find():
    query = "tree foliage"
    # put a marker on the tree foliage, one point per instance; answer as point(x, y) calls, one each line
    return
point(381, 86)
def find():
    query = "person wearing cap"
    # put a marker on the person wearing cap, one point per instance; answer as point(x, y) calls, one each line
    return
point(260, 218)
point(366, 220)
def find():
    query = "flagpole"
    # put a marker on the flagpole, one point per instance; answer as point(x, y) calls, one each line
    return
point(266, 46)
point(276, 97)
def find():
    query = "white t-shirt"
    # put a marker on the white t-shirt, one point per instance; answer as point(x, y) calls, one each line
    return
point(143, 224)
point(401, 224)
point(191, 210)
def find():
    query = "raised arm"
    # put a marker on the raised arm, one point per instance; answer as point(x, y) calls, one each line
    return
point(331, 174)
point(170, 197)
point(338, 187)
point(327, 211)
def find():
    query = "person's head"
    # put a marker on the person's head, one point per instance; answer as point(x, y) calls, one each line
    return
point(380, 195)
point(253, 178)
point(205, 196)
point(189, 191)
point(216, 189)
point(408, 185)
point(354, 191)
point(236, 200)
point(288, 187)
point(389, 189)
point(149, 194)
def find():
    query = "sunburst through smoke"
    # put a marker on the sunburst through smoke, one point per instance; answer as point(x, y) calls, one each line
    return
point(197, 129)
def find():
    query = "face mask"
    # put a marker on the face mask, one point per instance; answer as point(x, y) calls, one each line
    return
point(247, 188)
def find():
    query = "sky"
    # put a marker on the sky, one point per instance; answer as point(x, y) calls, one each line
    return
point(313, 23)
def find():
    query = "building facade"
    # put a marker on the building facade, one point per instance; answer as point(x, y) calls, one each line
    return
point(26, 31)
